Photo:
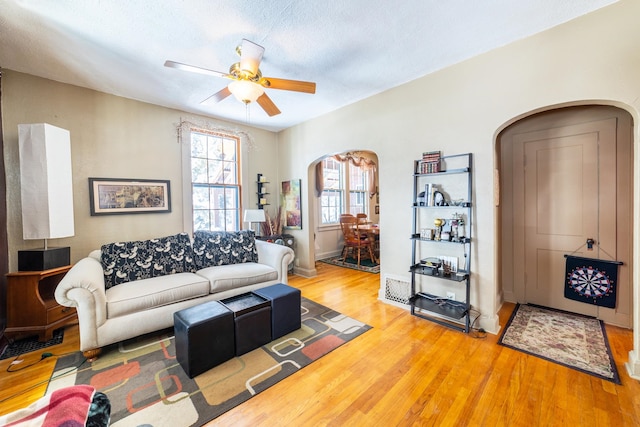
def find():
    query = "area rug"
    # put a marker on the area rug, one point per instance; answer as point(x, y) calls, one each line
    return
point(365, 264)
point(29, 344)
point(573, 340)
point(147, 386)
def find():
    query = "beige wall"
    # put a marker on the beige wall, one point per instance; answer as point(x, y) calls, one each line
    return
point(595, 58)
point(111, 137)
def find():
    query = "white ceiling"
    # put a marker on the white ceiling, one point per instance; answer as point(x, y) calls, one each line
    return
point(352, 49)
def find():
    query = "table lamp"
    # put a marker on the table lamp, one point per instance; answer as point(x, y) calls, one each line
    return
point(254, 215)
point(46, 190)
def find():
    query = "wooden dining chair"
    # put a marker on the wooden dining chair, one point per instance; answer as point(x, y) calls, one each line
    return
point(362, 218)
point(355, 241)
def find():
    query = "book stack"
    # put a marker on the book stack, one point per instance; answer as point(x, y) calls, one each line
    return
point(430, 162)
point(429, 190)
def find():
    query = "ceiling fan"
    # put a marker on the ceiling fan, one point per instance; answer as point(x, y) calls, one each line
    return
point(248, 84)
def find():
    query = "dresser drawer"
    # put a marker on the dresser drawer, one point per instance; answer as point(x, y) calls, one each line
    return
point(59, 312)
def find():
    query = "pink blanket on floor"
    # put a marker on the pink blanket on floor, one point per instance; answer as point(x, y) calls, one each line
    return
point(68, 406)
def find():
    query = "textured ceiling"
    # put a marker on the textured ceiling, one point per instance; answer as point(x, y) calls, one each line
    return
point(352, 49)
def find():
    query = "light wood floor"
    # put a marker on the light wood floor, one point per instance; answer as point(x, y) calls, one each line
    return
point(406, 371)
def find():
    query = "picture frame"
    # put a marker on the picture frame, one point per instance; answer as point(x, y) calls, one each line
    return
point(117, 196)
point(291, 204)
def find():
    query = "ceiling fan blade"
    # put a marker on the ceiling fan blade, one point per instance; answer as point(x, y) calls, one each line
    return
point(218, 96)
point(267, 105)
point(294, 85)
point(194, 69)
point(250, 56)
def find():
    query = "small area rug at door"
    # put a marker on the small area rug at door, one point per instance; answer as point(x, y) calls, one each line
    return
point(365, 264)
point(573, 340)
point(147, 386)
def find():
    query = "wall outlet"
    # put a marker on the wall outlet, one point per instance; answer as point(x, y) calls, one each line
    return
point(451, 295)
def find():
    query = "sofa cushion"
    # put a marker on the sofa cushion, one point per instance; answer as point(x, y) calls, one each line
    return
point(224, 277)
point(223, 248)
point(125, 262)
point(154, 292)
point(171, 254)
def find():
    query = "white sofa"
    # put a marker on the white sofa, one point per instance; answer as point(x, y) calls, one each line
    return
point(189, 274)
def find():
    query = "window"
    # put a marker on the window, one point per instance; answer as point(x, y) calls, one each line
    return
point(215, 169)
point(345, 190)
point(333, 193)
point(357, 190)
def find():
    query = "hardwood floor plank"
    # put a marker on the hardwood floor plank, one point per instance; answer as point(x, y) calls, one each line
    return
point(405, 371)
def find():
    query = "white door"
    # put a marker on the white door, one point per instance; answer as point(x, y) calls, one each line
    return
point(565, 182)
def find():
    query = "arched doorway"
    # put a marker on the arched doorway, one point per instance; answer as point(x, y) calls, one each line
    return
point(547, 209)
point(357, 166)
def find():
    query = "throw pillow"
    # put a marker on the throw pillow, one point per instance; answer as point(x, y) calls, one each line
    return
point(242, 245)
point(223, 248)
point(171, 254)
point(125, 262)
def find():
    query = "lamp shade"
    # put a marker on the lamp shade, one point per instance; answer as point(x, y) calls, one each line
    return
point(254, 215)
point(45, 181)
point(245, 90)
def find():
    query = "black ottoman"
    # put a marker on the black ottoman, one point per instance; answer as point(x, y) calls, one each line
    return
point(285, 308)
point(204, 337)
point(252, 315)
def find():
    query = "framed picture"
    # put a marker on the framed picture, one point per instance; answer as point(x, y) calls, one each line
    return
point(113, 196)
point(291, 204)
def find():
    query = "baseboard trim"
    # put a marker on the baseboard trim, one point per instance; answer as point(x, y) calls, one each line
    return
point(305, 272)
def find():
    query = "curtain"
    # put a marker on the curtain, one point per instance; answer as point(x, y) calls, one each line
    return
point(361, 162)
point(319, 179)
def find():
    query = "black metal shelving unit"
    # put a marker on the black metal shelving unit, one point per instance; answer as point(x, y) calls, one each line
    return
point(261, 193)
point(454, 314)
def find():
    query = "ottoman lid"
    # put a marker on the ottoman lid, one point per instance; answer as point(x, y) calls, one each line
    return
point(201, 312)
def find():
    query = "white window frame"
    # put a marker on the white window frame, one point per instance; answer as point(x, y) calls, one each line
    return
point(346, 193)
point(188, 185)
point(337, 195)
point(356, 193)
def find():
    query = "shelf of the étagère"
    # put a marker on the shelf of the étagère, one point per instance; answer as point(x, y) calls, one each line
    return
point(444, 172)
point(439, 305)
point(461, 205)
point(461, 241)
point(425, 270)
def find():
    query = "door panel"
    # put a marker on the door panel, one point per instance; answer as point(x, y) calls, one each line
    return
point(569, 194)
point(615, 192)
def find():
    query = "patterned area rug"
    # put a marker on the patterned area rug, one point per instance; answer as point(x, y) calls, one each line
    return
point(147, 386)
point(576, 341)
point(30, 344)
point(365, 264)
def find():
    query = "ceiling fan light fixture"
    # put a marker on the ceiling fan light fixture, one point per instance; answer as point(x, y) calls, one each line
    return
point(247, 84)
point(245, 90)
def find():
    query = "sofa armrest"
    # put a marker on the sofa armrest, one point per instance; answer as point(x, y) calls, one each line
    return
point(83, 288)
point(277, 256)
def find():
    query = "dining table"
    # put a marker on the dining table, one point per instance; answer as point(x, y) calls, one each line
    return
point(369, 228)
point(373, 232)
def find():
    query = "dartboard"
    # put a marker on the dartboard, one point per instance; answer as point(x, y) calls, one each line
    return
point(589, 282)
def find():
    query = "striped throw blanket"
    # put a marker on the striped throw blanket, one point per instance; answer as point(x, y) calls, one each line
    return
point(68, 406)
